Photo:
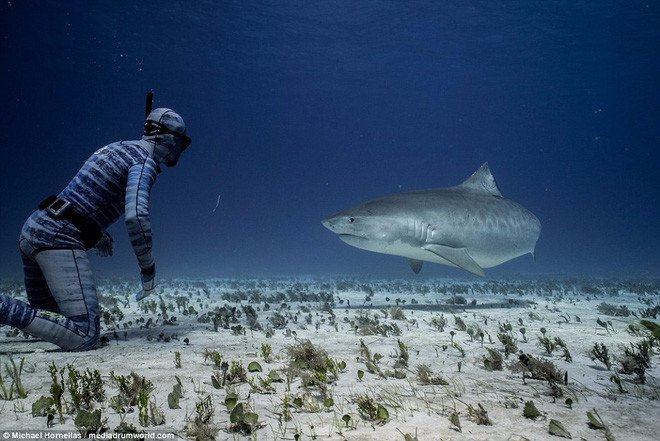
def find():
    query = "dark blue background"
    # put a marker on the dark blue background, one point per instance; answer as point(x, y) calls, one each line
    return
point(298, 110)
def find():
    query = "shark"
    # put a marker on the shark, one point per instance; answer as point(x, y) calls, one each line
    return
point(469, 226)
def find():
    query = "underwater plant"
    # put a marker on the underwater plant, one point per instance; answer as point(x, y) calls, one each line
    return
point(594, 421)
point(236, 373)
point(267, 352)
point(457, 300)
point(14, 372)
point(493, 361)
point(459, 323)
point(474, 331)
point(396, 313)
point(548, 344)
point(89, 423)
point(537, 368)
point(57, 388)
point(652, 327)
point(84, 388)
point(305, 355)
point(176, 394)
point(130, 387)
point(313, 366)
point(251, 318)
point(143, 409)
point(370, 361)
point(262, 385)
point(426, 376)
point(439, 323)
point(243, 419)
point(455, 421)
point(613, 310)
point(370, 410)
point(509, 343)
point(368, 325)
point(459, 348)
point(402, 356)
point(214, 356)
point(599, 352)
point(277, 320)
point(479, 415)
point(202, 427)
point(556, 428)
point(530, 411)
point(637, 359)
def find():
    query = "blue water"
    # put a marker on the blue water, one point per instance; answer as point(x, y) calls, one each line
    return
point(298, 110)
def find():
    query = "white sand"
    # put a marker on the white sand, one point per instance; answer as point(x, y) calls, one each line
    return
point(413, 408)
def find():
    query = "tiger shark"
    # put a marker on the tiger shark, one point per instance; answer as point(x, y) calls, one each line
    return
point(469, 226)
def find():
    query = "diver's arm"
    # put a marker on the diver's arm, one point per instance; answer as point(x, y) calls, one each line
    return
point(141, 178)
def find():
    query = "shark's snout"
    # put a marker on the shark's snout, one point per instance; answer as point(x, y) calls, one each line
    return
point(334, 223)
point(344, 226)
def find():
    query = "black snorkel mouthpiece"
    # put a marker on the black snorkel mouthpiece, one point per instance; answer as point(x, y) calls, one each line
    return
point(149, 105)
point(172, 162)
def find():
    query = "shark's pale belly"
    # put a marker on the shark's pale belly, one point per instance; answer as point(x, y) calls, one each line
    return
point(493, 253)
point(484, 258)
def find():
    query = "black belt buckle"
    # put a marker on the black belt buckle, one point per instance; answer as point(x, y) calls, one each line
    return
point(58, 208)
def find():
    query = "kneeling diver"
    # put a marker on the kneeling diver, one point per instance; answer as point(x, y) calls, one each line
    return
point(62, 303)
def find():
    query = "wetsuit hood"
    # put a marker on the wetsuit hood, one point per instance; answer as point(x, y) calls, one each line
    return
point(166, 131)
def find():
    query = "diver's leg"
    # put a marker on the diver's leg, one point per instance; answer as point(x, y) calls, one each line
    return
point(14, 312)
point(69, 278)
point(36, 287)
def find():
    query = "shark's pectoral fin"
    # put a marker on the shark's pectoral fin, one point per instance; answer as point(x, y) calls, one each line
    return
point(416, 265)
point(457, 256)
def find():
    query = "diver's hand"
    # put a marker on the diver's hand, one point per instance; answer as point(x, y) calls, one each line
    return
point(105, 246)
point(148, 276)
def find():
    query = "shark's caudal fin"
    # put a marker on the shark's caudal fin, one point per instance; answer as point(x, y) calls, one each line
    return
point(457, 256)
point(415, 265)
point(482, 181)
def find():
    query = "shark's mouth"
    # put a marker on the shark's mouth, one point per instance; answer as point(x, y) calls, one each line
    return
point(350, 236)
point(354, 240)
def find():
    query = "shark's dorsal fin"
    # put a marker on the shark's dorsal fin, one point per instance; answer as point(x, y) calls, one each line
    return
point(482, 181)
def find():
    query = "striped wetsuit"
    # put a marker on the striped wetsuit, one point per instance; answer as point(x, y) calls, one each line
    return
point(115, 179)
point(63, 305)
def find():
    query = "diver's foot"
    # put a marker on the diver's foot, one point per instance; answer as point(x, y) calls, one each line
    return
point(14, 312)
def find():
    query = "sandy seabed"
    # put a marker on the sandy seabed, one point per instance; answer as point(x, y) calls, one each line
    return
point(144, 339)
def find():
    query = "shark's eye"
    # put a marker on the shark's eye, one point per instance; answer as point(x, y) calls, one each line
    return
point(351, 219)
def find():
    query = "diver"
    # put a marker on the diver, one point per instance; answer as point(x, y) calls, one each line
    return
point(117, 179)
